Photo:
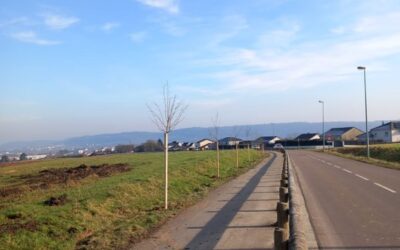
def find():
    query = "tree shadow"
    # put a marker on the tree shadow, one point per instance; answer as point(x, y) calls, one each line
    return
point(210, 234)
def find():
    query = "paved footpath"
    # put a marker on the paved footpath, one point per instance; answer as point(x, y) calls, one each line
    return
point(238, 215)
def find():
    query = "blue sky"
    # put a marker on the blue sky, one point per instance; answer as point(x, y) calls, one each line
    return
point(70, 68)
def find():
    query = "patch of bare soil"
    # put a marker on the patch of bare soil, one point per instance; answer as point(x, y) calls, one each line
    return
point(63, 175)
point(13, 227)
point(56, 201)
point(48, 177)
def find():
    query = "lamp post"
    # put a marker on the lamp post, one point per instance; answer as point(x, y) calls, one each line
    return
point(366, 109)
point(323, 124)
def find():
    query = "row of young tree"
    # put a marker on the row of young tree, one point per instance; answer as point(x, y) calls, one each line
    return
point(167, 114)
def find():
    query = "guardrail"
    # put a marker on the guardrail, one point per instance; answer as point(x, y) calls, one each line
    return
point(290, 232)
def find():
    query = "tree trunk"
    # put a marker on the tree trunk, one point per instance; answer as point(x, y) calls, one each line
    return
point(166, 169)
point(237, 155)
point(248, 152)
point(217, 159)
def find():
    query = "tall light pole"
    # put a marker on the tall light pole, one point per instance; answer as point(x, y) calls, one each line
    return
point(366, 109)
point(323, 124)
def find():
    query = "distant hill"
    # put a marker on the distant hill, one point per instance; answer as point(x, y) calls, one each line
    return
point(285, 130)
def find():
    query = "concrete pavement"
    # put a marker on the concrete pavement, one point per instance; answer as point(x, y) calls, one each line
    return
point(238, 215)
point(352, 205)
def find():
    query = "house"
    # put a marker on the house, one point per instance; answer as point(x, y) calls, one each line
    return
point(308, 137)
point(387, 132)
point(36, 157)
point(229, 141)
point(245, 144)
point(188, 146)
point(267, 139)
point(343, 134)
point(175, 146)
point(204, 144)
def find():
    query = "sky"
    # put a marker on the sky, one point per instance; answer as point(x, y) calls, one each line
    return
point(71, 68)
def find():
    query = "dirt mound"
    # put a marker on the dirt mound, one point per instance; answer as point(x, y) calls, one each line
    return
point(48, 177)
point(4, 192)
point(63, 175)
point(12, 228)
point(56, 201)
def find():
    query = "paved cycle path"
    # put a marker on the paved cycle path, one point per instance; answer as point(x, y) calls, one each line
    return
point(238, 215)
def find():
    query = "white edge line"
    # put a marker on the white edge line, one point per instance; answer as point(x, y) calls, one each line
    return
point(336, 166)
point(346, 170)
point(386, 188)
point(362, 177)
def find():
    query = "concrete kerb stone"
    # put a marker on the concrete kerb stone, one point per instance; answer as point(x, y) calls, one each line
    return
point(283, 194)
point(297, 213)
point(280, 239)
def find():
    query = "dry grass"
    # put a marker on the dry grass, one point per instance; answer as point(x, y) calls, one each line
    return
point(109, 212)
point(386, 155)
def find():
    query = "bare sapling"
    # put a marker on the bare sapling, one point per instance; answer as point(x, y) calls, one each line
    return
point(236, 132)
point(214, 133)
point(248, 132)
point(166, 116)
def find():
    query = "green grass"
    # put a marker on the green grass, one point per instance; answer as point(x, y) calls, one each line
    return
point(111, 212)
point(385, 155)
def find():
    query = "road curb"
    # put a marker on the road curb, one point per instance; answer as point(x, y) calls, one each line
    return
point(307, 228)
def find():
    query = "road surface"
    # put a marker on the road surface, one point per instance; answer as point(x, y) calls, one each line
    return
point(351, 205)
point(238, 215)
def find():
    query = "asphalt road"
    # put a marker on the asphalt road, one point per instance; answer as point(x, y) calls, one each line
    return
point(352, 205)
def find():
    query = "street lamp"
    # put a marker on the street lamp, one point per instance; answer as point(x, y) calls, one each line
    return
point(366, 110)
point(323, 124)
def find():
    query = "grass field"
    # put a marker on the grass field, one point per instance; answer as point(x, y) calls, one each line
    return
point(385, 155)
point(106, 212)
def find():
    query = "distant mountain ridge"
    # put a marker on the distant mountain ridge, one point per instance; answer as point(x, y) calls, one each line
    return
point(291, 130)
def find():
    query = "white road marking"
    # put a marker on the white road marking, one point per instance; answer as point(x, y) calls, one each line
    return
point(362, 177)
point(386, 188)
point(359, 176)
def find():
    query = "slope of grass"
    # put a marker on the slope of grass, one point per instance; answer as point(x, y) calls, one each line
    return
point(111, 212)
point(386, 155)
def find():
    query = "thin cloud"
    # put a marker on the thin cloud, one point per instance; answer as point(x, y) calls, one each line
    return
point(231, 26)
point(138, 37)
point(16, 21)
point(267, 67)
point(170, 6)
point(58, 22)
point(173, 29)
point(110, 26)
point(32, 37)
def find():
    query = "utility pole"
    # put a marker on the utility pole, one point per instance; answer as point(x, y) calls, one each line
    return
point(366, 107)
point(323, 124)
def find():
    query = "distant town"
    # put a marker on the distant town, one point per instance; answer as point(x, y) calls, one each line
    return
point(388, 132)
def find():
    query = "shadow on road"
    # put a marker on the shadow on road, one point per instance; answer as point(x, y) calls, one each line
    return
point(361, 247)
point(210, 234)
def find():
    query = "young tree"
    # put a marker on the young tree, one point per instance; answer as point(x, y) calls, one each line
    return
point(23, 157)
point(236, 132)
point(5, 158)
point(248, 132)
point(166, 116)
point(214, 132)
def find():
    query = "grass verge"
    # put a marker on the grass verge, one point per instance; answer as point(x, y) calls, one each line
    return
point(107, 212)
point(388, 157)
